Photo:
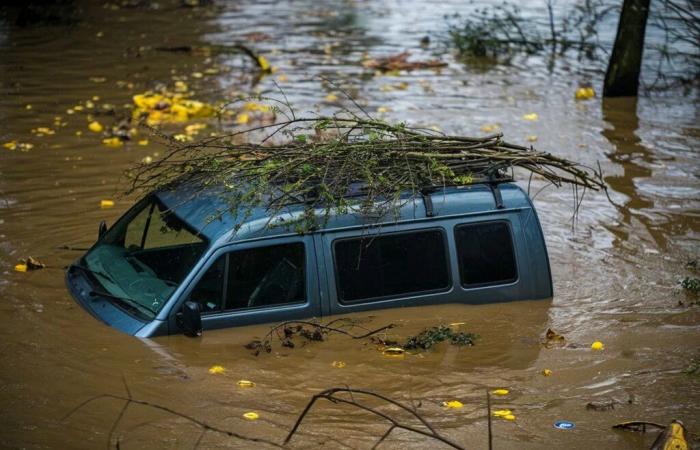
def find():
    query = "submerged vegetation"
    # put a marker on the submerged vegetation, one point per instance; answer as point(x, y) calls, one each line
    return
point(502, 31)
point(432, 336)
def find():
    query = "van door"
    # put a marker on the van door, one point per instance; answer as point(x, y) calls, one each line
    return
point(268, 280)
point(388, 267)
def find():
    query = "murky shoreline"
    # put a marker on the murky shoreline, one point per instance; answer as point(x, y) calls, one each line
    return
point(615, 273)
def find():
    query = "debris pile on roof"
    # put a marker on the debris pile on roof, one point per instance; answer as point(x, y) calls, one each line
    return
point(319, 161)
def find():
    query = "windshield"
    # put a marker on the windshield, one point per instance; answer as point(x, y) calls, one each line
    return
point(144, 257)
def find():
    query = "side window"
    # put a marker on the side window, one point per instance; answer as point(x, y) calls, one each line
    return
point(485, 254)
point(266, 276)
point(254, 277)
point(209, 291)
point(375, 267)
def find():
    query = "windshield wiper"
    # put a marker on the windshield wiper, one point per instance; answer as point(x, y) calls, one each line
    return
point(124, 301)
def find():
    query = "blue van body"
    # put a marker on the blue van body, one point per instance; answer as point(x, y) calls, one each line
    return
point(444, 210)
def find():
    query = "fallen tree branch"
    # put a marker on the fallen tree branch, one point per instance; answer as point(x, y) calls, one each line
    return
point(286, 331)
point(331, 395)
point(129, 400)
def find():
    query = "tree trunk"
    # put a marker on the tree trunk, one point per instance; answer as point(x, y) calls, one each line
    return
point(622, 76)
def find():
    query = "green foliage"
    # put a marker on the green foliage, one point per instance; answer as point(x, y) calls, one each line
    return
point(691, 284)
point(432, 336)
point(342, 164)
point(693, 368)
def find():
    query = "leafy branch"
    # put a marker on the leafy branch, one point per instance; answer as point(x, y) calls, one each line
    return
point(343, 162)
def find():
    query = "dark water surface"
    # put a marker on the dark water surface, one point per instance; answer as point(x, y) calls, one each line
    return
point(615, 274)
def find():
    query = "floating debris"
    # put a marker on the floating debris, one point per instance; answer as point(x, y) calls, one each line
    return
point(585, 93)
point(216, 370)
point(564, 425)
point(453, 404)
point(553, 339)
point(243, 383)
point(251, 416)
point(106, 204)
point(30, 263)
point(597, 345)
point(400, 62)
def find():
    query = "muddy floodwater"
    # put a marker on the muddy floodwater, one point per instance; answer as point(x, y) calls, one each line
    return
point(615, 272)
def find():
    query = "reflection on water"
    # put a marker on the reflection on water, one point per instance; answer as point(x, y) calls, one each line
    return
point(614, 276)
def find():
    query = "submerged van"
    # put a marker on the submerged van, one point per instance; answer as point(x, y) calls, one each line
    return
point(177, 262)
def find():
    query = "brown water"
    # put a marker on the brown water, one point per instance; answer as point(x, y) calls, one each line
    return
point(615, 274)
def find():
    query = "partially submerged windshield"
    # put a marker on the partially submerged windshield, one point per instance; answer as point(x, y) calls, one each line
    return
point(145, 256)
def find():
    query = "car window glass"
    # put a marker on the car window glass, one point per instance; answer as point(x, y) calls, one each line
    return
point(266, 276)
point(209, 289)
point(485, 253)
point(375, 267)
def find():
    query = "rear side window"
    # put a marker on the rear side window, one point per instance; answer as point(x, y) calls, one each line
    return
point(251, 278)
point(376, 267)
point(485, 254)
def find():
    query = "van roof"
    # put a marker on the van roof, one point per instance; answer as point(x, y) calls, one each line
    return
point(207, 211)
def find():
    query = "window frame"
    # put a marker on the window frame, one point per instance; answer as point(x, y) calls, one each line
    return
point(369, 300)
point(226, 252)
point(507, 282)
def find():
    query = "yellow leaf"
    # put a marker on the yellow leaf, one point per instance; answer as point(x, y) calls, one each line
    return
point(195, 128)
point(251, 416)
point(546, 372)
point(143, 142)
point(21, 267)
point(106, 204)
point(78, 133)
point(502, 412)
point(12, 145)
point(532, 138)
point(216, 369)
point(95, 126)
point(28, 106)
point(242, 119)
point(394, 351)
point(584, 93)
point(490, 127)
point(182, 137)
point(383, 109)
point(453, 404)
point(147, 160)
point(331, 98)
point(338, 364)
point(70, 111)
point(532, 117)
point(282, 78)
point(264, 65)
point(246, 384)
point(197, 75)
point(112, 142)
point(509, 417)
point(597, 345)
point(180, 86)
point(500, 392)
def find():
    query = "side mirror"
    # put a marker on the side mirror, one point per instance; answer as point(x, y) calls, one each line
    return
point(191, 319)
point(102, 230)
